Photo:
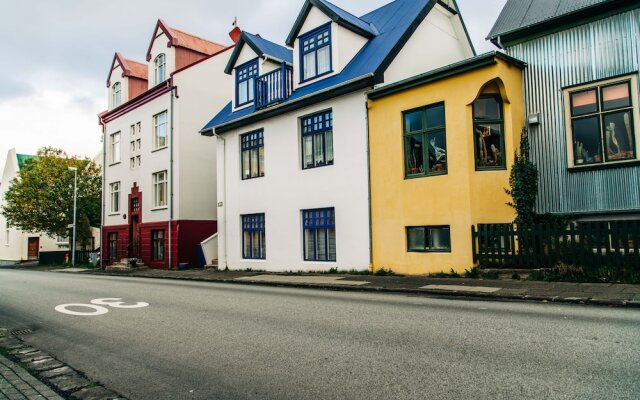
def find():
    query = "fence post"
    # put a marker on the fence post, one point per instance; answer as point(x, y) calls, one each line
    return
point(474, 247)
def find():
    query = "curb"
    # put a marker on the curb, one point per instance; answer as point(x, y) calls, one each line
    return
point(423, 292)
point(60, 377)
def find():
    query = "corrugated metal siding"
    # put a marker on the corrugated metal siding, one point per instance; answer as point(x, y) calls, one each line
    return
point(598, 50)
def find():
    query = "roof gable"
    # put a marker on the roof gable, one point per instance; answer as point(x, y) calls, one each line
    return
point(179, 38)
point(337, 15)
point(129, 68)
point(262, 47)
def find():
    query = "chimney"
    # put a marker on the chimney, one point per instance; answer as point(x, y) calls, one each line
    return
point(235, 34)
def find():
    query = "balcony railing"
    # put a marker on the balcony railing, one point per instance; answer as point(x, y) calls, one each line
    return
point(274, 87)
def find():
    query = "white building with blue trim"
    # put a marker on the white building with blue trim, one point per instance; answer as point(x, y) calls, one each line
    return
point(293, 184)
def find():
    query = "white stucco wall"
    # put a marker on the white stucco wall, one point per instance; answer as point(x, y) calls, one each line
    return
point(160, 46)
point(435, 43)
point(202, 91)
point(286, 189)
point(116, 77)
point(246, 54)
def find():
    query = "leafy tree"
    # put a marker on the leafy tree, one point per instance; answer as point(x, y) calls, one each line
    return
point(40, 198)
point(523, 183)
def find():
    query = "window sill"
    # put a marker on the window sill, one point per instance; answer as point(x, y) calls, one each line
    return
point(253, 177)
point(160, 208)
point(442, 173)
point(319, 261)
point(304, 81)
point(430, 251)
point(488, 169)
point(317, 166)
point(113, 214)
point(255, 260)
point(159, 149)
point(115, 163)
point(609, 165)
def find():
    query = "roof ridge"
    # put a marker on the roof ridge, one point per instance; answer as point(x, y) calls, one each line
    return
point(194, 36)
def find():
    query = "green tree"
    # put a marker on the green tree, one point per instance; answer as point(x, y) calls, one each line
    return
point(40, 198)
point(523, 183)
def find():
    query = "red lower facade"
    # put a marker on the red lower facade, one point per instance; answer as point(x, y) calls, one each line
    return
point(150, 242)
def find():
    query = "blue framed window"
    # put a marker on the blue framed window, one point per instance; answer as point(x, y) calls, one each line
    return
point(245, 82)
point(317, 140)
point(252, 154)
point(319, 228)
point(253, 237)
point(315, 53)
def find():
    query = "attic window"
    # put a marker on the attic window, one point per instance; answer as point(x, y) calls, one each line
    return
point(117, 94)
point(159, 67)
point(245, 82)
point(315, 53)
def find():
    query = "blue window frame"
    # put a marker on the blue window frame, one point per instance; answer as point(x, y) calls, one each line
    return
point(245, 82)
point(317, 140)
point(253, 237)
point(315, 53)
point(252, 154)
point(319, 228)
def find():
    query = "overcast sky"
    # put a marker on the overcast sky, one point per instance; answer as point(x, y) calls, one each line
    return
point(57, 54)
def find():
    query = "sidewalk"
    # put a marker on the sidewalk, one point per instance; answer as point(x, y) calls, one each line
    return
point(607, 294)
point(17, 384)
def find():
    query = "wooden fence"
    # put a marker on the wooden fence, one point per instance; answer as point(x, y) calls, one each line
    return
point(585, 244)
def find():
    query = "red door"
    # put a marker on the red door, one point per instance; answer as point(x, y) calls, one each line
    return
point(34, 248)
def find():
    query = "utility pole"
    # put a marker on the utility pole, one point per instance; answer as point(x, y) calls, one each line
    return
point(75, 199)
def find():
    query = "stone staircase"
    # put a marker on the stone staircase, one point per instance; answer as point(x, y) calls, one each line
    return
point(126, 264)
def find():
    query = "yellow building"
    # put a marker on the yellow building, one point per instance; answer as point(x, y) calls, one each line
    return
point(441, 147)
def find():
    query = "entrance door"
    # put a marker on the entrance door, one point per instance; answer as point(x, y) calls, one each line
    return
point(34, 248)
point(134, 238)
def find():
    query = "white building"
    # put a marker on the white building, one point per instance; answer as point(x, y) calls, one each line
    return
point(293, 187)
point(158, 196)
point(16, 245)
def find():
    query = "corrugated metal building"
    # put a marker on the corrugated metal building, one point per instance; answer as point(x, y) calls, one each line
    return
point(581, 85)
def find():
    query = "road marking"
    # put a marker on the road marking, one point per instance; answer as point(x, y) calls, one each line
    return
point(97, 307)
point(459, 288)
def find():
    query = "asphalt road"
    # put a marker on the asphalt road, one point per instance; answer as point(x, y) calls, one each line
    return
point(220, 341)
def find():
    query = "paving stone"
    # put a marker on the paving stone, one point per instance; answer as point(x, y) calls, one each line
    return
point(56, 372)
point(30, 357)
point(95, 393)
point(44, 365)
point(23, 351)
point(11, 343)
point(69, 383)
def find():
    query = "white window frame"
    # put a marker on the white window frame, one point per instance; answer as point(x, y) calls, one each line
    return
point(114, 148)
point(116, 93)
point(160, 68)
point(114, 198)
point(156, 128)
point(160, 186)
point(633, 82)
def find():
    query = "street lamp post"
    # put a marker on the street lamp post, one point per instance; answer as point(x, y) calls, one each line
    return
point(75, 199)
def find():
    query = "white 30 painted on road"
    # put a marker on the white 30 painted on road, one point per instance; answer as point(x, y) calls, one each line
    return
point(96, 307)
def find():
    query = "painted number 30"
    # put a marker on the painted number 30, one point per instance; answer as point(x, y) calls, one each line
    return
point(96, 307)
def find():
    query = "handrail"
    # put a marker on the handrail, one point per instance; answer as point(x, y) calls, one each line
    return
point(274, 86)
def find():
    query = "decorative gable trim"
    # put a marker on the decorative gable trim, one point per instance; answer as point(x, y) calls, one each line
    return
point(362, 28)
point(129, 68)
point(181, 39)
point(246, 39)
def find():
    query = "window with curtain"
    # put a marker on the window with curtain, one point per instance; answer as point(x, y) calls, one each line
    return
point(245, 82)
point(425, 142)
point(160, 130)
point(117, 94)
point(160, 189)
point(114, 148)
point(488, 132)
point(157, 245)
point(319, 230)
point(315, 53)
point(252, 154)
point(253, 237)
point(317, 140)
point(114, 198)
point(112, 245)
point(601, 123)
point(429, 239)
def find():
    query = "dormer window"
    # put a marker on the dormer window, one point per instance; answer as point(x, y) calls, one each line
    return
point(315, 53)
point(245, 82)
point(159, 67)
point(117, 94)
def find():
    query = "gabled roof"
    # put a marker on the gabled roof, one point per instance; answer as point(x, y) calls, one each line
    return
point(179, 38)
point(521, 16)
point(24, 158)
point(130, 68)
point(262, 47)
point(395, 23)
point(337, 15)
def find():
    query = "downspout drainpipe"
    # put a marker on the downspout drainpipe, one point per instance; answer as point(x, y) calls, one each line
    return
point(172, 87)
point(222, 220)
point(366, 105)
point(104, 188)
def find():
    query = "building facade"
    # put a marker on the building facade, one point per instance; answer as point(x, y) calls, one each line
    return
point(158, 200)
point(441, 148)
point(581, 100)
point(293, 192)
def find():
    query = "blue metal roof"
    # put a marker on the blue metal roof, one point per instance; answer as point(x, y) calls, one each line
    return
point(394, 23)
point(271, 49)
point(349, 18)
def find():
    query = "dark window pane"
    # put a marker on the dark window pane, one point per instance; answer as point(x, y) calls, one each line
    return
point(585, 102)
point(439, 239)
point(435, 116)
point(487, 108)
point(416, 239)
point(616, 96)
point(489, 150)
point(437, 150)
point(619, 136)
point(413, 121)
point(415, 162)
point(586, 141)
